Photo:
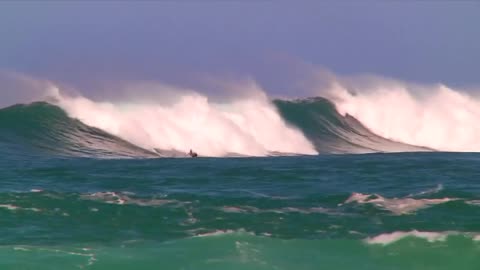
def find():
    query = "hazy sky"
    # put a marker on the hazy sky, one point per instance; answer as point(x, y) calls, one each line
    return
point(84, 43)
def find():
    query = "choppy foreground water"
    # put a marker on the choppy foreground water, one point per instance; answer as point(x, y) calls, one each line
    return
point(373, 211)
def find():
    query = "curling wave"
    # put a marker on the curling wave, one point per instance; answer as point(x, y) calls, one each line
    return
point(44, 128)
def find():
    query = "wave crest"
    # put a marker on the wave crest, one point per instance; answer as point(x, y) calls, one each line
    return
point(248, 126)
point(436, 117)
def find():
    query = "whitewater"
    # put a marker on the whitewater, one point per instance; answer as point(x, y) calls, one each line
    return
point(249, 126)
point(438, 117)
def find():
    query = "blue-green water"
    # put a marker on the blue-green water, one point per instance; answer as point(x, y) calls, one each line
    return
point(81, 205)
point(241, 213)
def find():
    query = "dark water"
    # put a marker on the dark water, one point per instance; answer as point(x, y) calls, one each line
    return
point(76, 197)
point(242, 213)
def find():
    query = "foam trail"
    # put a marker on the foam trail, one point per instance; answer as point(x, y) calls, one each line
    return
point(398, 206)
point(249, 126)
point(437, 117)
point(389, 238)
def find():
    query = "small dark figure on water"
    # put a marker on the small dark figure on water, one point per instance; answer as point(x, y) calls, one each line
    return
point(192, 154)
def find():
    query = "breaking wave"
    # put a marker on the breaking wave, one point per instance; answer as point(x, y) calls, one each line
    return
point(437, 117)
point(247, 126)
point(44, 128)
point(108, 131)
point(383, 116)
point(77, 126)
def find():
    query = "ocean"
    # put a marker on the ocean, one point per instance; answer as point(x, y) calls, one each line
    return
point(77, 193)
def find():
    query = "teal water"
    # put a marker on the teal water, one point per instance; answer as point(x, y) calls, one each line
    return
point(75, 197)
point(241, 213)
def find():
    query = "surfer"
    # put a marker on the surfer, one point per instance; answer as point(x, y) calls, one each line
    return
point(192, 154)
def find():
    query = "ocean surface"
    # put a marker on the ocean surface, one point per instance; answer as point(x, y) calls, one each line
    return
point(75, 196)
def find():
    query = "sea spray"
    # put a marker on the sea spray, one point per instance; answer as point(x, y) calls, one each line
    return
point(249, 126)
point(438, 117)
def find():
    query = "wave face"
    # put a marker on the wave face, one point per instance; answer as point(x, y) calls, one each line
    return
point(44, 128)
point(332, 132)
point(361, 114)
point(250, 128)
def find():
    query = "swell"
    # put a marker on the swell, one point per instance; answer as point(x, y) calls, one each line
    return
point(45, 128)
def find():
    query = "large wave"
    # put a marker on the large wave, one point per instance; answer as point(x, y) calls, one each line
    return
point(246, 126)
point(47, 128)
point(358, 117)
point(436, 117)
point(332, 132)
point(44, 128)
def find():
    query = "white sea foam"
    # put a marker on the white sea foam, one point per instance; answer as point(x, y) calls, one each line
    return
point(389, 238)
point(473, 202)
point(16, 208)
point(249, 253)
point(215, 233)
point(434, 190)
point(202, 232)
point(434, 116)
point(309, 210)
point(234, 209)
point(283, 210)
point(437, 116)
point(20, 249)
point(247, 125)
point(397, 206)
point(9, 206)
point(91, 257)
point(121, 198)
